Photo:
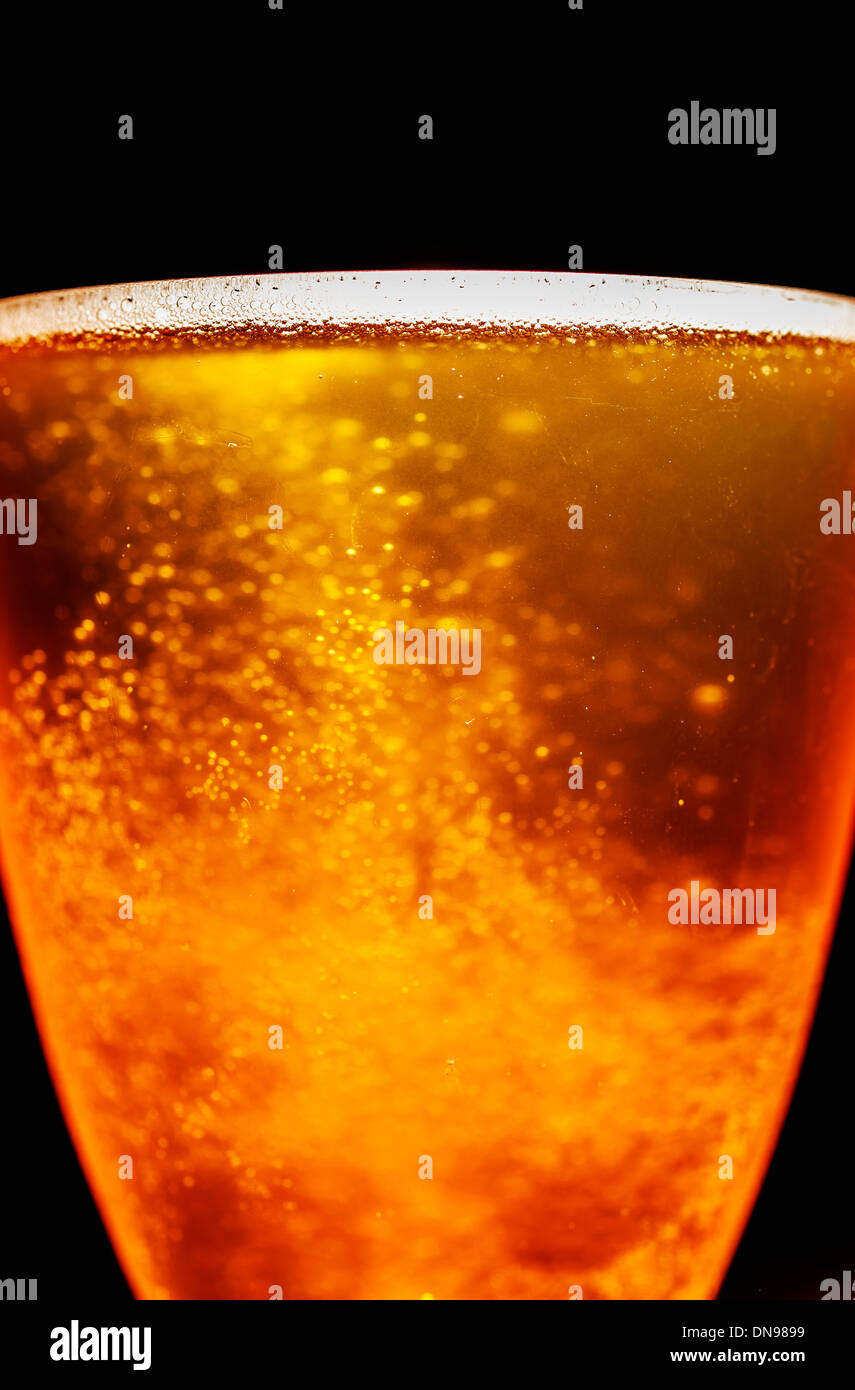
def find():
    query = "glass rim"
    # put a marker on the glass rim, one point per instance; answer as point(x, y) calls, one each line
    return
point(425, 303)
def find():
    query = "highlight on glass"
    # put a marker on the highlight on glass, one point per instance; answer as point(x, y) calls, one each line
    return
point(427, 740)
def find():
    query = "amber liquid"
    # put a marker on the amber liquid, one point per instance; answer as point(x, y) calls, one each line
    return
point(407, 1036)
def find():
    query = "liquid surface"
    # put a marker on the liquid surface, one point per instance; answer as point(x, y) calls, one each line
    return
point(408, 1037)
point(347, 305)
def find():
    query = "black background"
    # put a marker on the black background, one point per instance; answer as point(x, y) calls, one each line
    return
point(298, 127)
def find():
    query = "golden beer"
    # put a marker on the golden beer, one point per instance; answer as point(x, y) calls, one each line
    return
point(360, 980)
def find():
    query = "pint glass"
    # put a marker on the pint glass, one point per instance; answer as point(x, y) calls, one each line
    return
point(427, 708)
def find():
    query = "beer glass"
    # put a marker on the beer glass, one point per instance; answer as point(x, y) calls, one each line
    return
point(427, 738)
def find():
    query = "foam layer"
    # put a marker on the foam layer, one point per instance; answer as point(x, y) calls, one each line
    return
point(345, 304)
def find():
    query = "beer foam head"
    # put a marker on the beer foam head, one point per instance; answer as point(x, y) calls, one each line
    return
point(478, 303)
